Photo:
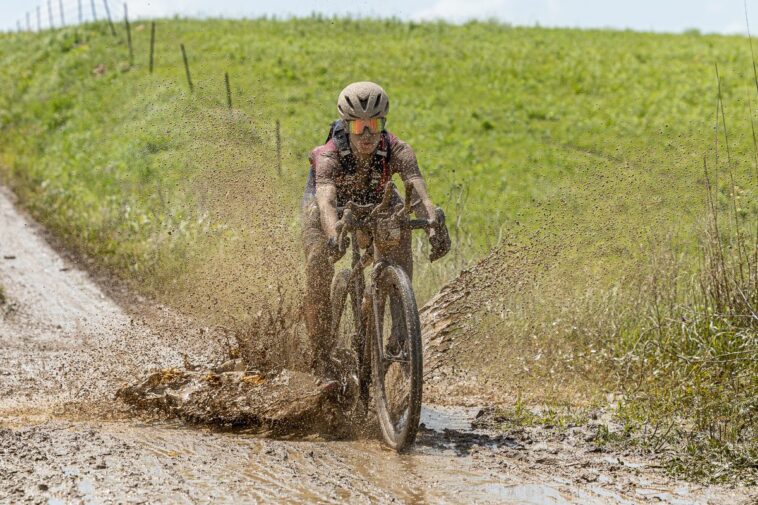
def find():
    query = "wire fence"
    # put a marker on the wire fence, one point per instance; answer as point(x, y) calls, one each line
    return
point(57, 14)
point(54, 14)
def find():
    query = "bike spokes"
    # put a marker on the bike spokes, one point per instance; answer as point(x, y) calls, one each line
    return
point(397, 358)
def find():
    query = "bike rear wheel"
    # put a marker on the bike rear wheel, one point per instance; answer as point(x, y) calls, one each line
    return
point(397, 358)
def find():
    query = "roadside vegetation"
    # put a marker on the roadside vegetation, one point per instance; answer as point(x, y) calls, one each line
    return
point(608, 179)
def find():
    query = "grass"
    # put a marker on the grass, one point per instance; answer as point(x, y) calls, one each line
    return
point(547, 110)
point(575, 157)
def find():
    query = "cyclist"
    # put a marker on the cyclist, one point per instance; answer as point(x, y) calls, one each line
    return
point(355, 163)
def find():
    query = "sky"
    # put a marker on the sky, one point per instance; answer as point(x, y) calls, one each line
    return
point(708, 16)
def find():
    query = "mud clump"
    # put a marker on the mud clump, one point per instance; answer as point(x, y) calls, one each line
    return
point(281, 402)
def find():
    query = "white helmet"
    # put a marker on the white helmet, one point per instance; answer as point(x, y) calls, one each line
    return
point(363, 100)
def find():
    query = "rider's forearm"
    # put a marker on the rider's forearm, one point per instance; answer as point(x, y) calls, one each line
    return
point(326, 198)
point(426, 206)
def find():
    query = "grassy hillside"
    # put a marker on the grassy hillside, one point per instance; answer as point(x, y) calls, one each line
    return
point(504, 121)
point(578, 154)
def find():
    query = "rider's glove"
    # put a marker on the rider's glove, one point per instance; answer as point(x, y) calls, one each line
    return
point(439, 238)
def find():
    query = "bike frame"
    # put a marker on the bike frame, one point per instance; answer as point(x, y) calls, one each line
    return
point(385, 225)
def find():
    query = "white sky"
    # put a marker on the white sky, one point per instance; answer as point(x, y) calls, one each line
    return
point(725, 16)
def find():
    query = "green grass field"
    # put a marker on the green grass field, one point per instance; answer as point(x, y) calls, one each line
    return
point(504, 121)
point(579, 153)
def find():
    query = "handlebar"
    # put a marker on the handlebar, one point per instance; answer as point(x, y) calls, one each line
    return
point(363, 217)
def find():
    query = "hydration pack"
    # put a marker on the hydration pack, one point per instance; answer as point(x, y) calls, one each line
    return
point(380, 172)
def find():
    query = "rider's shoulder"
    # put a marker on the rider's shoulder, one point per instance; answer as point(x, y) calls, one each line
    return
point(324, 152)
point(398, 146)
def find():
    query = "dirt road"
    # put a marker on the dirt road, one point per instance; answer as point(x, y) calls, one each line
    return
point(66, 347)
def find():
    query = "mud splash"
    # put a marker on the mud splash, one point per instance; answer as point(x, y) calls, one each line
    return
point(67, 341)
point(282, 402)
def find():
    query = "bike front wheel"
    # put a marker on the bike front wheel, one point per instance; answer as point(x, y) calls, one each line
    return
point(397, 358)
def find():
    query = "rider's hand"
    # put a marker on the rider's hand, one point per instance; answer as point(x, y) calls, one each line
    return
point(335, 252)
point(439, 238)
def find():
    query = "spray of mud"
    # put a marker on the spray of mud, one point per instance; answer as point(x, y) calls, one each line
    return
point(235, 259)
point(542, 315)
point(236, 266)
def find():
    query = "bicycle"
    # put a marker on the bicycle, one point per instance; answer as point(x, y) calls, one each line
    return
point(384, 345)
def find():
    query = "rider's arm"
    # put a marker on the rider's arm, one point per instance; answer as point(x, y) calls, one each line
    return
point(326, 198)
point(423, 207)
point(404, 161)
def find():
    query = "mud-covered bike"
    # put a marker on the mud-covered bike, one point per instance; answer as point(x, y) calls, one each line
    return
point(376, 326)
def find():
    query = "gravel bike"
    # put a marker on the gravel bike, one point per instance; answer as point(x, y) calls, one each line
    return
point(379, 329)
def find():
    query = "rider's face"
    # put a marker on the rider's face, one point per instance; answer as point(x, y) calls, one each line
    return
point(365, 143)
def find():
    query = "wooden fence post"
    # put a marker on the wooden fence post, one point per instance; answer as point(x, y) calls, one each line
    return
point(278, 149)
point(108, 15)
point(186, 67)
point(228, 90)
point(60, 7)
point(94, 12)
point(152, 44)
point(128, 34)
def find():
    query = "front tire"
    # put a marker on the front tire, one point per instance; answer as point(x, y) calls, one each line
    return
point(397, 358)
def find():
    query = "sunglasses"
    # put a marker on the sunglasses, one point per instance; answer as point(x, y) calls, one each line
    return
point(374, 125)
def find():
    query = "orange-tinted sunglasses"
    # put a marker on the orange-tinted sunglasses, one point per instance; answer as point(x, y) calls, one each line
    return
point(374, 125)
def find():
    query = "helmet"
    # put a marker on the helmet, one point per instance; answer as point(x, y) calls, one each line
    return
point(363, 100)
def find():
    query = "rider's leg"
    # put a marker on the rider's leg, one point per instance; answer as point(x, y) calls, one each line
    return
point(319, 271)
point(401, 255)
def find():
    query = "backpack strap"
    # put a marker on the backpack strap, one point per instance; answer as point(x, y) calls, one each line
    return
point(338, 133)
point(381, 161)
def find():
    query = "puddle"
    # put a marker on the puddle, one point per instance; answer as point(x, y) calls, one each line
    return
point(439, 418)
point(528, 494)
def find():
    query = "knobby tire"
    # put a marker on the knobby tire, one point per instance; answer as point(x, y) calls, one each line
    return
point(394, 285)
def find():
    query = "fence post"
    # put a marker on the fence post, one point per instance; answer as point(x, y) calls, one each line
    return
point(50, 12)
point(39, 19)
point(60, 7)
point(278, 149)
point(186, 67)
point(228, 90)
point(152, 44)
point(79, 9)
point(108, 15)
point(94, 12)
point(128, 34)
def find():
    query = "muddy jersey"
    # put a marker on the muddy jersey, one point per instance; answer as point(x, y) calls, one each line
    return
point(366, 183)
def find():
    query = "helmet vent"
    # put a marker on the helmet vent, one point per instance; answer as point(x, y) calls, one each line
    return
point(362, 100)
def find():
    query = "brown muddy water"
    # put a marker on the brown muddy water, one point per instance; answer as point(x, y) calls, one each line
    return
point(66, 347)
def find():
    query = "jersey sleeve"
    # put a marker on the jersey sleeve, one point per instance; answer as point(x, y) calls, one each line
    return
point(403, 161)
point(323, 163)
